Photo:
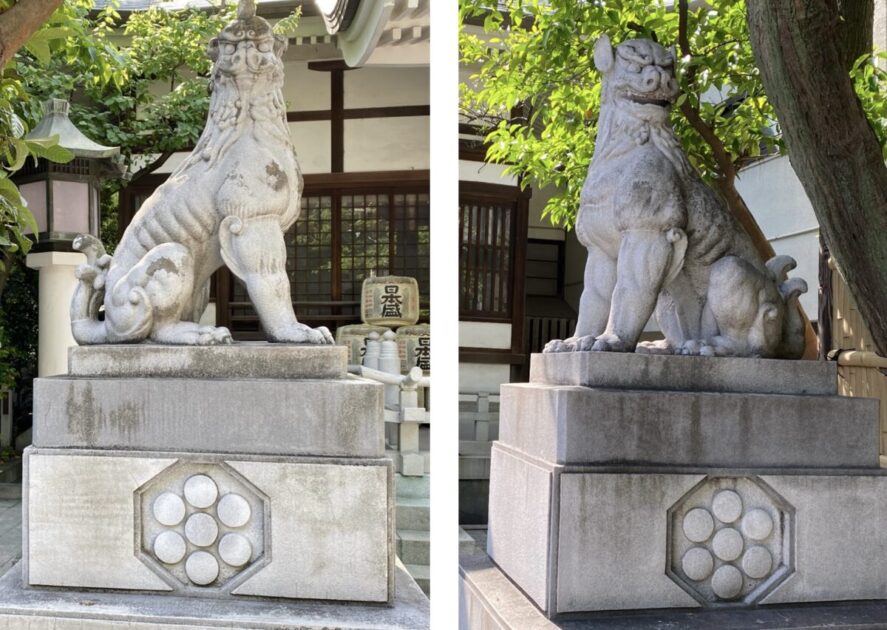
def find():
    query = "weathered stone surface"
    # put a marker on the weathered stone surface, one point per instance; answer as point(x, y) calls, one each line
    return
point(488, 600)
point(581, 425)
point(685, 373)
point(326, 525)
point(610, 540)
point(332, 531)
point(341, 417)
point(38, 609)
point(239, 360)
point(79, 522)
point(229, 202)
point(660, 240)
point(520, 522)
point(840, 541)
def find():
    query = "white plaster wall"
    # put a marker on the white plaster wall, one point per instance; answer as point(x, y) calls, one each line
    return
point(471, 171)
point(312, 142)
point(485, 335)
point(304, 89)
point(387, 144)
point(538, 227)
point(781, 207)
point(386, 87)
point(482, 377)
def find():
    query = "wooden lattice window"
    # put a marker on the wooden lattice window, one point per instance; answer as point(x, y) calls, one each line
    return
point(490, 250)
point(345, 234)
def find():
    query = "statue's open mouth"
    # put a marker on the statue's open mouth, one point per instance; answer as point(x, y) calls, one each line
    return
point(643, 100)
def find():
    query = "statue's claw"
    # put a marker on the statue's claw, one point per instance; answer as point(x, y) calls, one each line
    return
point(609, 343)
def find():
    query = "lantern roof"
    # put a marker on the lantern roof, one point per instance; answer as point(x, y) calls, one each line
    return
point(56, 123)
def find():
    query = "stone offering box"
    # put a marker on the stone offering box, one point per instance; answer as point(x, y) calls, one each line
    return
point(230, 472)
point(623, 481)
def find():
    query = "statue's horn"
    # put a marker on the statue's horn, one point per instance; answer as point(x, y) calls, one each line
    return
point(792, 289)
point(779, 266)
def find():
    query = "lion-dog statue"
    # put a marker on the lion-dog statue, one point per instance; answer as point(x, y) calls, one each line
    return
point(660, 240)
point(229, 202)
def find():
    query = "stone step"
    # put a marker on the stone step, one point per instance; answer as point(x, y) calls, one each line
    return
point(583, 425)
point(413, 514)
point(421, 573)
point(415, 487)
point(413, 546)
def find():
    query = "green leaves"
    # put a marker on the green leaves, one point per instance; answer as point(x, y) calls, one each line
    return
point(539, 55)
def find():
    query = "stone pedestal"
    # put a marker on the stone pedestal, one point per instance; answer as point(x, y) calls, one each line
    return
point(229, 472)
point(629, 482)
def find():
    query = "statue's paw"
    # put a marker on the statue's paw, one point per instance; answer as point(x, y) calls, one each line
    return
point(609, 343)
point(660, 346)
point(570, 344)
point(557, 345)
point(213, 336)
point(300, 333)
point(320, 336)
point(698, 348)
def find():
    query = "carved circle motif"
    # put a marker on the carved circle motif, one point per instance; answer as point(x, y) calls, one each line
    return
point(757, 562)
point(729, 540)
point(201, 529)
point(169, 547)
point(201, 491)
point(727, 544)
point(697, 563)
point(207, 531)
point(727, 506)
point(234, 510)
point(757, 524)
point(169, 509)
point(727, 582)
point(235, 550)
point(698, 525)
point(202, 568)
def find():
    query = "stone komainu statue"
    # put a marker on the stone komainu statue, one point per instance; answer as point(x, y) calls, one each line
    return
point(228, 203)
point(661, 240)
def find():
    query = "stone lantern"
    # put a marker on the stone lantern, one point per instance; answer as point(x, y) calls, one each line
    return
point(64, 199)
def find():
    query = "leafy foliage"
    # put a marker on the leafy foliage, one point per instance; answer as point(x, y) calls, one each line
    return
point(535, 93)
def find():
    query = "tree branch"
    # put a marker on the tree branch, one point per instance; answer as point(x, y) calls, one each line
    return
point(151, 167)
point(19, 22)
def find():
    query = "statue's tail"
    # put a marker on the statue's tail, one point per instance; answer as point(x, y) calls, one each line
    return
point(90, 292)
point(131, 317)
point(793, 325)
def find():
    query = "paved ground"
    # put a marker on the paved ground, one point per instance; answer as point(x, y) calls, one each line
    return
point(10, 533)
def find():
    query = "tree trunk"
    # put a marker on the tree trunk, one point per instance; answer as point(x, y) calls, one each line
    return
point(19, 22)
point(856, 35)
point(832, 148)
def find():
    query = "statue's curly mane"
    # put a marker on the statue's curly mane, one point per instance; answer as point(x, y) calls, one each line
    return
point(619, 133)
point(228, 109)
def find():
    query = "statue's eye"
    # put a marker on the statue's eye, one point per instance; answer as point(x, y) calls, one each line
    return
point(229, 49)
point(633, 67)
point(265, 46)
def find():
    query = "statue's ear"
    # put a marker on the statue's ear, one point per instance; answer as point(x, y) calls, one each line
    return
point(280, 45)
point(674, 52)
point(212, 48)
point(603, 54)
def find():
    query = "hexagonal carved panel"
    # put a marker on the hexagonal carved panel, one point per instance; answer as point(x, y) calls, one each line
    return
point(730, 541)
point(201, 527)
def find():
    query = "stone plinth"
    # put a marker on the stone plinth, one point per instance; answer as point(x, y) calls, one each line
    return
point(251, 471)
point(55, 609)
point(240, 360)
point(619, 490)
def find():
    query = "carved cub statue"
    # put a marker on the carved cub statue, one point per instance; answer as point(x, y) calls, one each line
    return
point(228, 203)
point(661, 240)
